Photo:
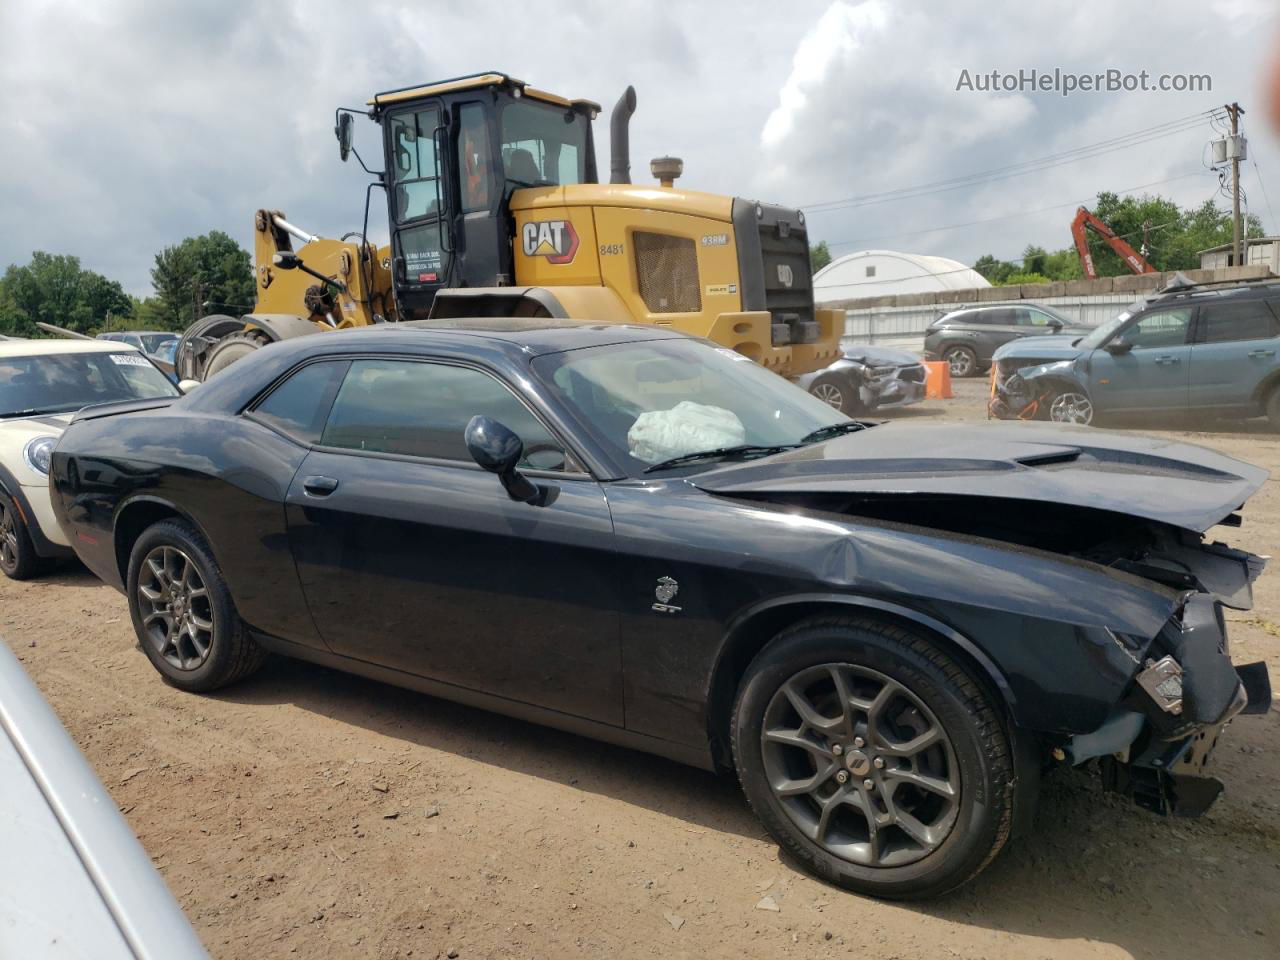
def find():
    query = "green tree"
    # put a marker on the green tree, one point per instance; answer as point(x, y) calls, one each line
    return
point(56, 289)
point(211, 269)
point(995, 271)
point(819, 256)
point(1174, 236)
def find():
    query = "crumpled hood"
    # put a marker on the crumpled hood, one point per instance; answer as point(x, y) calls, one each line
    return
point(1175, 483)
point(1039, 349)
point(881, 356)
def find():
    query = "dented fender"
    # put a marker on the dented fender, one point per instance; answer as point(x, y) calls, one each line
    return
point(1066, 636)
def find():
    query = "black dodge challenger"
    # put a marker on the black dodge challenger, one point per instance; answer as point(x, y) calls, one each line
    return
point(888, 632)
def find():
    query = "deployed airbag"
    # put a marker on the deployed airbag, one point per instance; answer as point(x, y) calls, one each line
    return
point(687, 427)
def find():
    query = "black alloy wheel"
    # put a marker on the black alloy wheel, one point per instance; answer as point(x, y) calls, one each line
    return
point(873, 757)
point(182, 611)
point(18, 558)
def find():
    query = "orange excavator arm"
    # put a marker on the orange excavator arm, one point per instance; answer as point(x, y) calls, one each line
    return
point(1087, 221)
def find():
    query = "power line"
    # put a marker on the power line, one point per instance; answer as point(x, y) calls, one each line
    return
point(1008, 216)
point(1087, 152)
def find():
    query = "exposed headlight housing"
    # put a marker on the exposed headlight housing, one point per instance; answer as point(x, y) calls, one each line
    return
point(38, 452)
point(1162, 680)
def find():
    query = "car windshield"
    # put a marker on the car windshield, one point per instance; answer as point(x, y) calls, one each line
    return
point(1103, 332)
point(653, 401)
point(61, 382)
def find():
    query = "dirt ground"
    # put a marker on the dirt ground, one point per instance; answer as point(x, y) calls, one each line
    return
point(312, 813)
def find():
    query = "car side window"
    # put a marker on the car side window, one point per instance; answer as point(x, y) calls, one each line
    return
point(1035, 318)
point(299, 405)
point(1000, 317)
point(421, 409)
point(1161, 329)
point(1238, 320)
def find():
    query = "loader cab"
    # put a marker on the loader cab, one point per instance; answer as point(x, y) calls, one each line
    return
point(455, 151)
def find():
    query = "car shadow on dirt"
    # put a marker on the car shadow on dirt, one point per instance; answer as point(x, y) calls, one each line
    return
point(664, 786)
point(1093, 869)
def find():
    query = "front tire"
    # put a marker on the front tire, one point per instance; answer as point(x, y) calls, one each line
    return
point(1071, 406)
point(182, 611)
point(873, 758)
point(18, 557)
point(837, 393)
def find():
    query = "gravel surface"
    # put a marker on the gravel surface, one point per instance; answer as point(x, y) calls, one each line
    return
point(310, 813)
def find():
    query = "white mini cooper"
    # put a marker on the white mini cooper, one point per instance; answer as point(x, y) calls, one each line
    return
point(42, 384)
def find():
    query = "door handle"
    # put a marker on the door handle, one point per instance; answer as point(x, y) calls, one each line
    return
point(319, 486)
point(1262, 353)
point(1167, 361)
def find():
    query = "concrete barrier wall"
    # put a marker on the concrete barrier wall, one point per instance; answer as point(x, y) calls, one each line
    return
point(901, 319)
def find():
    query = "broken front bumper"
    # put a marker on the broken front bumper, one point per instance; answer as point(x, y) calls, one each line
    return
point(897, 387)
point(1156, 745)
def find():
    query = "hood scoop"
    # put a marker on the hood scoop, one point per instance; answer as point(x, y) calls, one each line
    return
point(1049, 459)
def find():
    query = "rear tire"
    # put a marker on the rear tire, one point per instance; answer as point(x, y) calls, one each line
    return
point(18, 557)
point(873, 816)
point(962, 361)
point(1273, 408)
point(182, 611)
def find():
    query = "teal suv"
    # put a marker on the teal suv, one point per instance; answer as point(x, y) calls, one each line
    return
point(1189, 349)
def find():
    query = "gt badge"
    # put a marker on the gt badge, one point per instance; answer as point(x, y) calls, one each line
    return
point(785, 277)
point(666, 592)
point(554, 239)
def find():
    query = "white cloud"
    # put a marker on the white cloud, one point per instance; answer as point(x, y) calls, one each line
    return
point(127, 126)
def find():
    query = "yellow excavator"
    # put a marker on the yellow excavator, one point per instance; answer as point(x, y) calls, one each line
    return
point(495, 208)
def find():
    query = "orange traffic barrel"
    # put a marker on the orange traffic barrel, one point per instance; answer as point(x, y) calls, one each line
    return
point(938, 380)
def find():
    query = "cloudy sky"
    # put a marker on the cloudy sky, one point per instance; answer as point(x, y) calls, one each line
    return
point(128, 125)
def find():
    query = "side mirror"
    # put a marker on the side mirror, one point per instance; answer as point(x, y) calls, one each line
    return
point(343, 132)
point(498, 449)
point(186, 386)
point(1118, 346)
point(1055, 326)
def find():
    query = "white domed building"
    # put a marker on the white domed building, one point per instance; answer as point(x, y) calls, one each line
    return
point(877, 273)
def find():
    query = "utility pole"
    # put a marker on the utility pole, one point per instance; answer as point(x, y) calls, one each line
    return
point(1234, 110)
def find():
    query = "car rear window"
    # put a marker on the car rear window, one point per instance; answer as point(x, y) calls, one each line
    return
point(299, 405)
point(1238, 320)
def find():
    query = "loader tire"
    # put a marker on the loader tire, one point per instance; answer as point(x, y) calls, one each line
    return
point(231, 348)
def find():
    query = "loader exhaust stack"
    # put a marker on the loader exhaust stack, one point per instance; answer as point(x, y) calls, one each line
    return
point(620, 137)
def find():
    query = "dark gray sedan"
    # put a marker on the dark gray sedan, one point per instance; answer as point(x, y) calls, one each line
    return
point(868, 378)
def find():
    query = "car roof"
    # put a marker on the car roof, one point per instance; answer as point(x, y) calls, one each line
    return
point(501, 340)
point(1261, 291)
point(532, 336)
point(40, 348)
point(139, 333)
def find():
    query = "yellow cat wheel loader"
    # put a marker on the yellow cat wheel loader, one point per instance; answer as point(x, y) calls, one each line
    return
point(496, 208)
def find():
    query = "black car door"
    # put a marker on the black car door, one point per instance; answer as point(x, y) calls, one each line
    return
point(412, 557)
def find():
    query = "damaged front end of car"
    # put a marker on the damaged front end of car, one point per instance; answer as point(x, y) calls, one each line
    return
point(1155, 746)
point(1074, 560)
point(1024, 389)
